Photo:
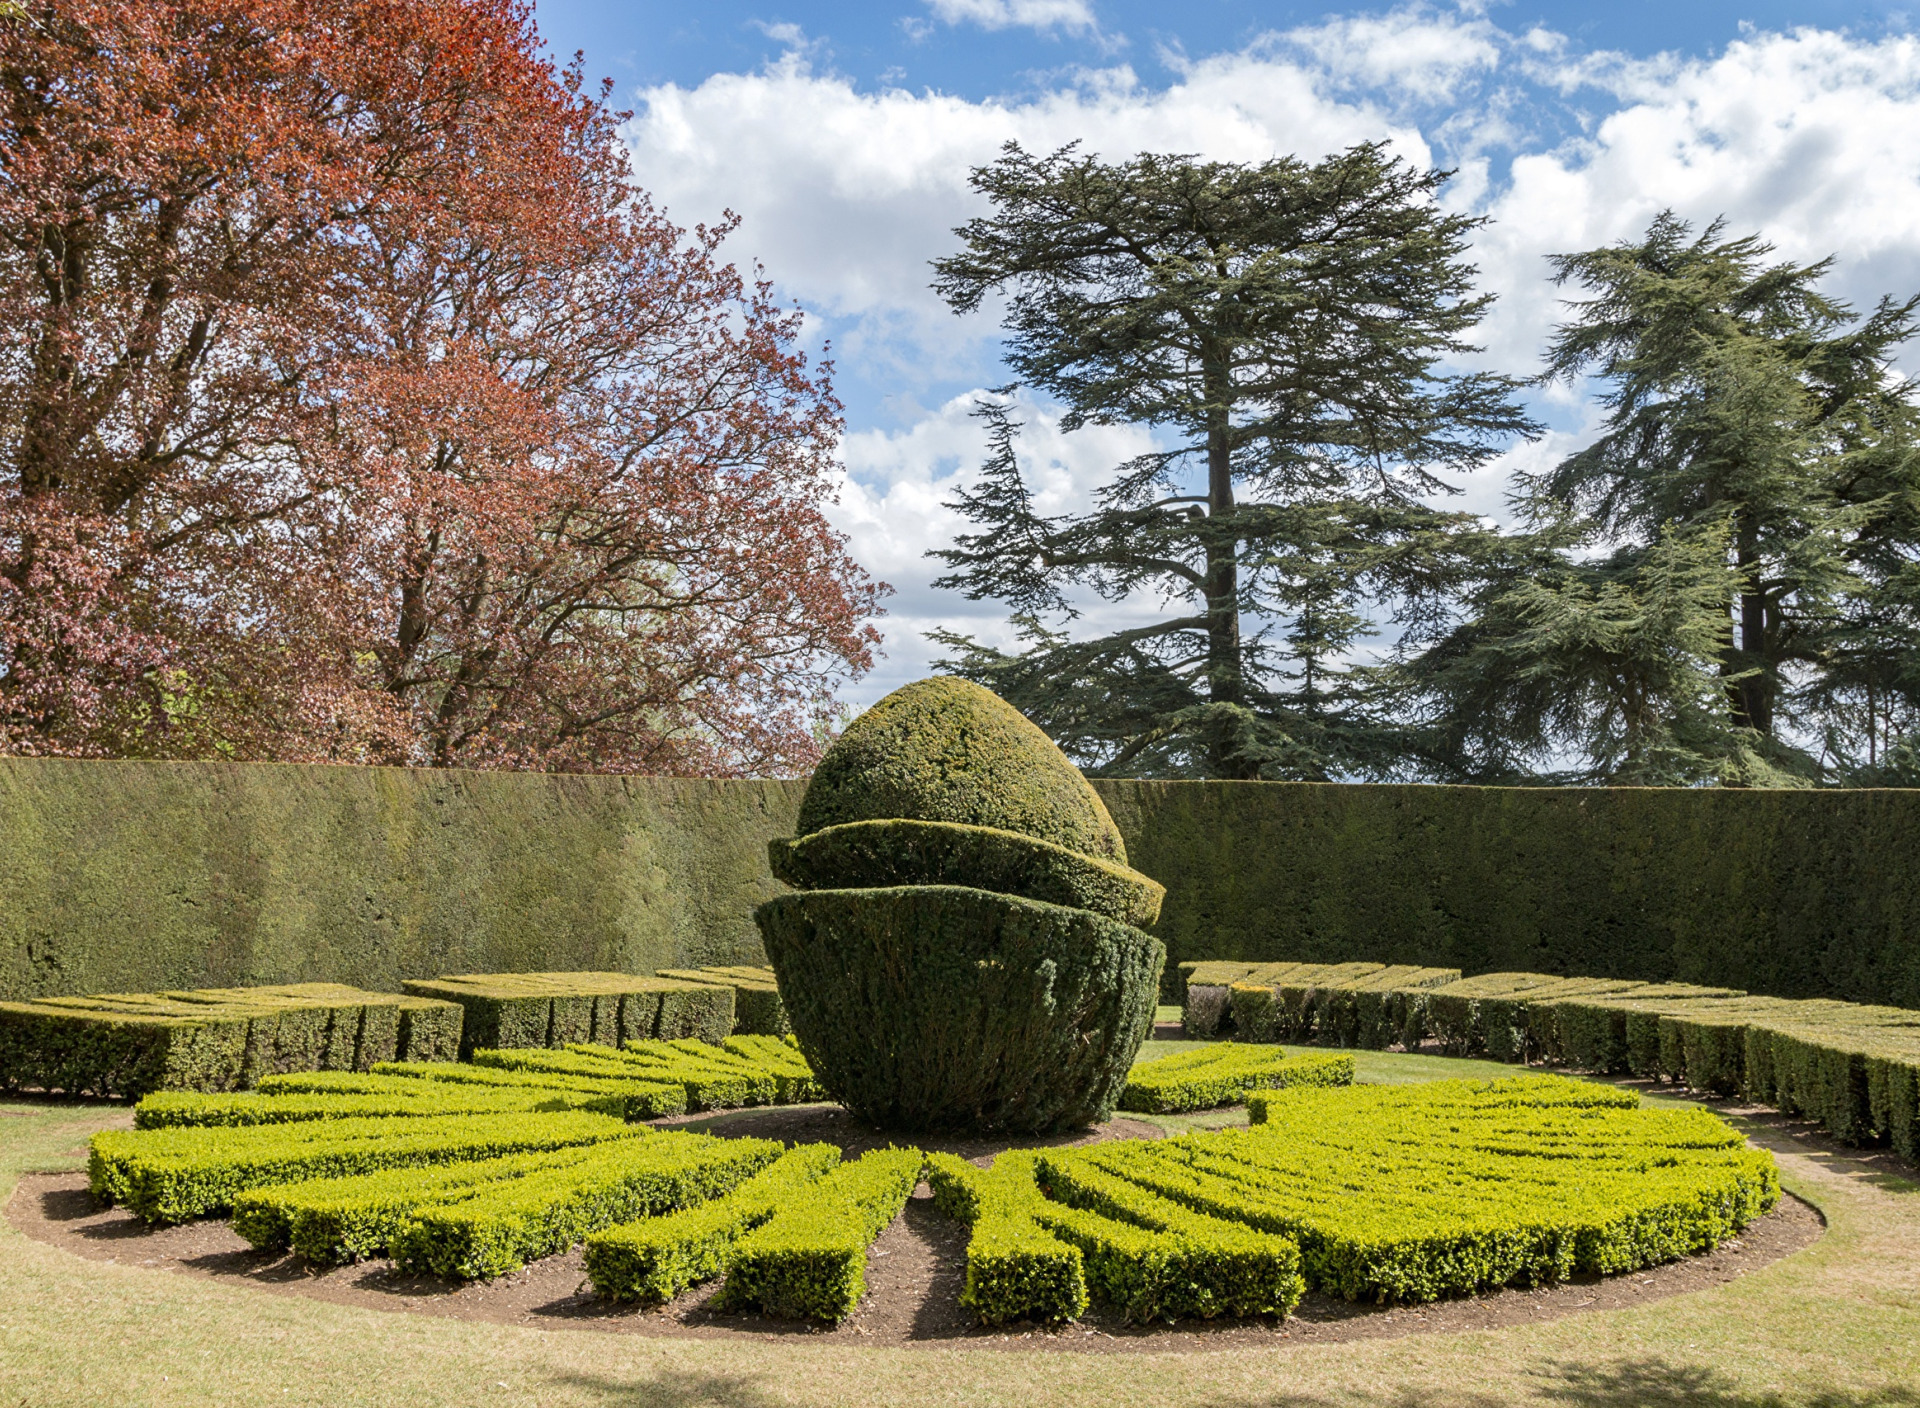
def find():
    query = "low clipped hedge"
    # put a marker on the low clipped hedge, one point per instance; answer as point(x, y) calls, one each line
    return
point(559, 1009)
point(653, 1260)
point(1408, 1194)
point(630, 1097)
point(1016, 1268)
point(1036, 1257)
point(809, 1259)
point(894, 851)
point(502, 1225)
point(1189, 1263)
point(335, 1220)
point(214, 1039)
point(172, 1175)
point(757, 1008)
point(1370, 1005)
point(188, 1109)
point(935, 1007)
point(745, 1071)
point(1223, 1074)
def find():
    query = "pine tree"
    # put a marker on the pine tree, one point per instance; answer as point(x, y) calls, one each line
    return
point(1282, 328)
point(1757, 484)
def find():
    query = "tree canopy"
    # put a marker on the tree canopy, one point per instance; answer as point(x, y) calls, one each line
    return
point(1291, 333)
point(356, 404)
point(1721, 586)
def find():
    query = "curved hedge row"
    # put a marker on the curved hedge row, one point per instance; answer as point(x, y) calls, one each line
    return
point(1413, 1193)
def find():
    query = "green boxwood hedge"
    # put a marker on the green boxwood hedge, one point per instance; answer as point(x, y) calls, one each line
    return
point(502, 1225)
point(558, 1009)
point(1223, 1074)
point(1016, 1268)
point(809, 1260)
point(653, 1260)
point(334, 1220)
point(173, 1175)
point(1413, 1193)
point(130, 1044)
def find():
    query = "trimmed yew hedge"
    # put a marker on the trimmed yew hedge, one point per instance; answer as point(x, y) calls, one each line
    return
point(1222, 1074)
point(130, 1044)
point(135, 875)
point(557, 1009)
point(1790, 893)
point(654, 1259)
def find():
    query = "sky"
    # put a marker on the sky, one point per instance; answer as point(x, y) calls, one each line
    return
point(841, 135)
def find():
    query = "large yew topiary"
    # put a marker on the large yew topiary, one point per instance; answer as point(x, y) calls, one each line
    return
point(963, 953)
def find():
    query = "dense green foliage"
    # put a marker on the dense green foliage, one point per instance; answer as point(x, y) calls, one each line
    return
point(500, 1226)
point(864, 854)
point(214, 1038)
point(332, 1220)
point(747, 1070)
point(171, 1175)
point(1223, 1074)
point(1283, 328)
point(555, 1009)
point(1790, 893)
point(1034, 1257)
point(960, 999)
point(757, 1008)
point(944, 750)
point(656, 1258)
point(129, 875)
point(1016, 1268)
point(1415, 1193)
point(1756, 480)
point(810, 1258)
point(173, 1109)
point(936, 1007)
point(1854, 1068)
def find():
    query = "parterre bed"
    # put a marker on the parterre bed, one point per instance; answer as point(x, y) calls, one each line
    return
point(915, 1270)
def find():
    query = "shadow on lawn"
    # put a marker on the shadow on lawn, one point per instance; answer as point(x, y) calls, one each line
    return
point(674, 1388)
point(1642, 1383)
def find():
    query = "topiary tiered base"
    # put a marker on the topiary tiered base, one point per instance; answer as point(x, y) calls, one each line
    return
point(934, 1007)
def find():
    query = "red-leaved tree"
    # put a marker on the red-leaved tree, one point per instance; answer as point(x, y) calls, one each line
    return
point(355, 404)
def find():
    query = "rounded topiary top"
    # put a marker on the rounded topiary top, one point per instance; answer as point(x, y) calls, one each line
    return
point(943, 749)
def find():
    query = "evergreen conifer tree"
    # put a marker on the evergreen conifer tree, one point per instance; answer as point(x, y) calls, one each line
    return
point(1755, 489)
point(1284, 328)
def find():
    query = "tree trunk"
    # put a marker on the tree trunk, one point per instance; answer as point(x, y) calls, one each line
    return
point(1750, 700)
point(1225, 683)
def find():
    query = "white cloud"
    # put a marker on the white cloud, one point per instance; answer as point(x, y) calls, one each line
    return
point(1811, 138)
point(846, 195)
point(1074, 16)
point(1416, 52)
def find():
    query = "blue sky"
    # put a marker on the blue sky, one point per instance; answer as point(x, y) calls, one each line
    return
point(842, 134)
point(900, 43)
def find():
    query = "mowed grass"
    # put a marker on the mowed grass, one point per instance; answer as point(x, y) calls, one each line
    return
point(1834, 1326)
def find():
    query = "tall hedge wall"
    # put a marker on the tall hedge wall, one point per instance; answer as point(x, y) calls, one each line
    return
point(1793, 894)
point(119, 876)
point(135, 876)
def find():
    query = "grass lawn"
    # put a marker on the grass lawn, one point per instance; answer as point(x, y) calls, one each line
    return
point(1834, 1326)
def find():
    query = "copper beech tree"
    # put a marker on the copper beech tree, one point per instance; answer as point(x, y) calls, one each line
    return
point(356, 404)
